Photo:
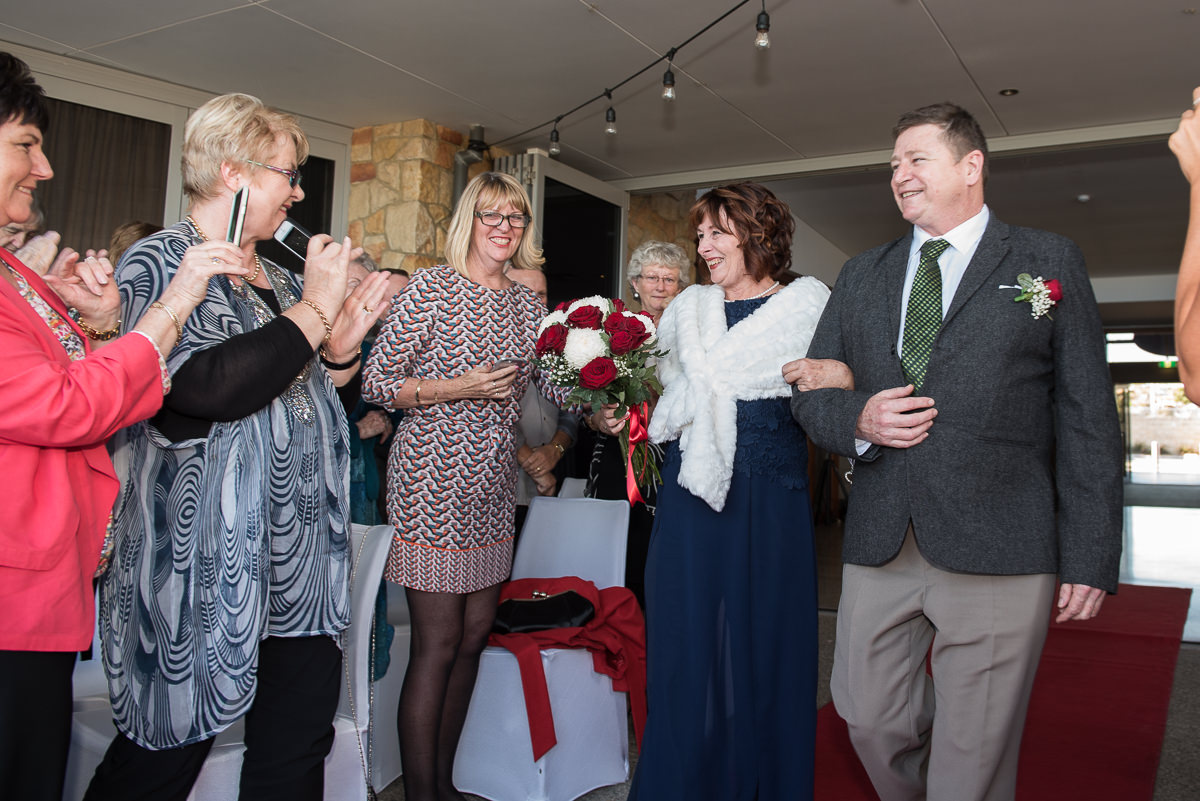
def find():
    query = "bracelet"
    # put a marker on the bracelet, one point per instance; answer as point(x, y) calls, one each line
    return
point(158, 304)
point(561, 449)
point(332, 365)
point(321, 314)
point(417, 394)
point(93, 334)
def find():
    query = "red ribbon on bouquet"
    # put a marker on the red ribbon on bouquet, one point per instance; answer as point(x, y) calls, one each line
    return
point(637, 435)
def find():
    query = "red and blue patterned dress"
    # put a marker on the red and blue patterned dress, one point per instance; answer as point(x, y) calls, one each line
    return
point(452, 469)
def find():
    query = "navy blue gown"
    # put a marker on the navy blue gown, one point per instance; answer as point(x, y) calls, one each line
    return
point(731, 616)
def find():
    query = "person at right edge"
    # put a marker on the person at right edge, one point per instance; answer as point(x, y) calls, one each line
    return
point(988, 462)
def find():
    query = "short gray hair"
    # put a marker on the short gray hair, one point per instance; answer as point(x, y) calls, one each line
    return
point(664, 254)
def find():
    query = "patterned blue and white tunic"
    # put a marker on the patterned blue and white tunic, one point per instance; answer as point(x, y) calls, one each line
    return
point(224, 540)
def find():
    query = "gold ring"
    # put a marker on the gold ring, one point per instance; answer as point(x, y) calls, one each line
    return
point(368, 309)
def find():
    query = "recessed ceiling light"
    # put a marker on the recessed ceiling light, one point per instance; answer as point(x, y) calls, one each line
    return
point(1084, 198)
point(1008, 92)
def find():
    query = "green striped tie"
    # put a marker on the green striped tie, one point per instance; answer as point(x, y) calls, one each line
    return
point(924, 316)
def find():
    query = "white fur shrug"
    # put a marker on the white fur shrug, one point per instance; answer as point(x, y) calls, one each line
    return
point(709, 367)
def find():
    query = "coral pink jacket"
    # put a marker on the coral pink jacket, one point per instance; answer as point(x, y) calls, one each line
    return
point(57, 484)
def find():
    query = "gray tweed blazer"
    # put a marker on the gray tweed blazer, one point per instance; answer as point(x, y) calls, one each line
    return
point(1022, 470)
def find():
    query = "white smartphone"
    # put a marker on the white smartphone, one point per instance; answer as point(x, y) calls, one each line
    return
point(237, 216)
point(293, 237)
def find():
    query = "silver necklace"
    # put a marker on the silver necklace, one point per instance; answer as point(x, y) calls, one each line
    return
point(766, 291)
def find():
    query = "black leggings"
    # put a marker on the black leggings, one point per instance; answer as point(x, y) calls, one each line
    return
point(35, 723)
point(289, 732)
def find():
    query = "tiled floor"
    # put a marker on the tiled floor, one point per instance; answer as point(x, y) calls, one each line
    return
point(1162, 547)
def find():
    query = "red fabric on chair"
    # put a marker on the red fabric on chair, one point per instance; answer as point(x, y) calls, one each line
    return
point(616, 636)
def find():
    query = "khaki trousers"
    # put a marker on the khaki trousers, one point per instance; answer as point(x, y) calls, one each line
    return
point(955, 736)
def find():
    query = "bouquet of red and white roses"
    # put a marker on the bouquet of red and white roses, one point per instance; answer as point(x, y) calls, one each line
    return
point(600, 350)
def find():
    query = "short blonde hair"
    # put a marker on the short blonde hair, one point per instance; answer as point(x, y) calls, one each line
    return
point(490, 190)
point(233, 128)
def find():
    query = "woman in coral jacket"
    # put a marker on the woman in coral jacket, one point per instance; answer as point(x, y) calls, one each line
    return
point(67, 382)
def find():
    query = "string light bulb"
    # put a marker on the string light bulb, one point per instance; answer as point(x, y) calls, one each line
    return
point(610, 121)
point(761, 40)
point(555, 148)
point(668, 92)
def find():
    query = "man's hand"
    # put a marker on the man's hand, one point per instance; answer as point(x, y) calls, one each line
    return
point(1078, 602)
point(895, 419)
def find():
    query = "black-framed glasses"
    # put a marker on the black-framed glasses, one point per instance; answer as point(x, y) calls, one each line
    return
point(293, 176)
point(494, 218)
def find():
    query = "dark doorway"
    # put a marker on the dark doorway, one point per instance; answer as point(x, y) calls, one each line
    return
point(314, 213)
point(580, 240)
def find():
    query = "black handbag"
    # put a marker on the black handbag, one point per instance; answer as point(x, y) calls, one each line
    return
point(562, 610)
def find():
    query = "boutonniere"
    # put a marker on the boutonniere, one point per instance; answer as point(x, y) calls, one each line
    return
point(1038, 293)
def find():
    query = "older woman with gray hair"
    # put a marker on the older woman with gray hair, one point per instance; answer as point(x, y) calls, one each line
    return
point(658, 271)
point(229, 582)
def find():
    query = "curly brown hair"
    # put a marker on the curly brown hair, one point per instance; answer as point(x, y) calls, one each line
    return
point(761, 222)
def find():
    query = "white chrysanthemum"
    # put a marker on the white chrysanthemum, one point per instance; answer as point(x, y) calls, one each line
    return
point(551, 319)
point(583, 345)
point(599, 302)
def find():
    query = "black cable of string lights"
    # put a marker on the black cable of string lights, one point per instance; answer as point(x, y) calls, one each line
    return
point(607, 93)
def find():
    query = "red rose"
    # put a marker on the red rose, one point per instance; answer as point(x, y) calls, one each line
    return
point(623, 342)
point(618, 305)
point(586, 317)
point(598, 373)
point(562, 307)
point(552, 340)
point(1055, 289)
point(625, 333)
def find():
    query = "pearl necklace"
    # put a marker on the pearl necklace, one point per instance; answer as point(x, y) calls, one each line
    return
point(766, 291)
point(204, 236)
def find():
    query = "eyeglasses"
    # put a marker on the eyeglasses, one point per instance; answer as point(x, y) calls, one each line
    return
point(494, 218)
point(665, 280)
point(293, 176)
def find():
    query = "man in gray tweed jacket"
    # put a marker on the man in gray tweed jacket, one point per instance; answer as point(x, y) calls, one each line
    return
point(998, 471)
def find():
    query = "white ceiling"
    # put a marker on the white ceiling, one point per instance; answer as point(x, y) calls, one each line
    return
point(1107, 76)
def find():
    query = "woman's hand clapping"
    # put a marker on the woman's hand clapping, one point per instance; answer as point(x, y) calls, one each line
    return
point(358, 313)
point(87, 285)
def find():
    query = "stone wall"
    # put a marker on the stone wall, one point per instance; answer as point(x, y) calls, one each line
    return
point(401, 191)
point(662, 216)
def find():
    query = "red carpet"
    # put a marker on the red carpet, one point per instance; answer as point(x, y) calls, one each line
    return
point(1098, 712)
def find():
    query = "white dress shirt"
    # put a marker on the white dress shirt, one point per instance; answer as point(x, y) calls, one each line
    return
point(964, 239)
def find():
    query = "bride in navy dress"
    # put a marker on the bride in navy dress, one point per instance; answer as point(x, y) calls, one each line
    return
point(731, 598)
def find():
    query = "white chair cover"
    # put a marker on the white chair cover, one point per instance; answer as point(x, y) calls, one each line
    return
point(385, 747)
point(93, 729)
point(562, 537)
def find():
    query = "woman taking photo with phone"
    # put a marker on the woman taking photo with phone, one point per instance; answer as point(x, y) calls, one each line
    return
point(452, 469)
point(67, 382)
point(229, 583)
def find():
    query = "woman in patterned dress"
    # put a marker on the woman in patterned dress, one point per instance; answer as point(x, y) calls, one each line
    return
point(452, 468)
point(229, 581)
point(66, 386)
